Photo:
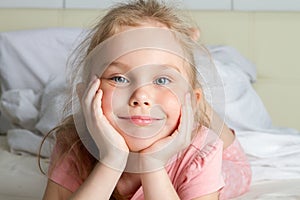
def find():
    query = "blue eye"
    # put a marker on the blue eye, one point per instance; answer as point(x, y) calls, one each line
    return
point(119, 79)
point(162, 81)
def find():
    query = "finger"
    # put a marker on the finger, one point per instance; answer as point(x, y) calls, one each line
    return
point(88, 96)
point(184, 115)
point(97, 103)
point(186, 120)
point(163, 144)
point(91, 91)
point(190, 113)
point(190, 117)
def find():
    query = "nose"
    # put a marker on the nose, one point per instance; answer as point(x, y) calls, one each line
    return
point(140, 97)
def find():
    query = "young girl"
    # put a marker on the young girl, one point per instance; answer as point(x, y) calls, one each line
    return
point(143, 131)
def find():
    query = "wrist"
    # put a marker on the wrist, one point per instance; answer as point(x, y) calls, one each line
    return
point(116, 160)
point(148, 162)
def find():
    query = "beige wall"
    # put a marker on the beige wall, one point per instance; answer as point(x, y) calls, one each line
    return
point(269, 39)
point(272, 42)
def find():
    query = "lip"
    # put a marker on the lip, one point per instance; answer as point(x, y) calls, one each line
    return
point(141, 120)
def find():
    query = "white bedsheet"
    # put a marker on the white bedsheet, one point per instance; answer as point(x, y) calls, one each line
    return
point(273, 190)
point(274, 153)
point(20, 177)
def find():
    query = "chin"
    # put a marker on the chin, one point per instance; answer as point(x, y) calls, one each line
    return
point(137, 145)
point(138, 148)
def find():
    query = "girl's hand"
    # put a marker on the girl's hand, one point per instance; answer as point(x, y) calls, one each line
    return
point(111, 145)
point(162, 151)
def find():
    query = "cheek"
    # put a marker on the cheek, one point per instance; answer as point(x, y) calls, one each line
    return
point(171, 106)
point(112, 102)
point(107, 102)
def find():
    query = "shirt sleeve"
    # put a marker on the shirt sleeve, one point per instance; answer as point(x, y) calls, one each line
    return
point(64, 171)
point(203, 175)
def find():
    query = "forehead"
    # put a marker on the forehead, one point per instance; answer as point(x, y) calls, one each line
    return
point(137, 46)
point(148, 57)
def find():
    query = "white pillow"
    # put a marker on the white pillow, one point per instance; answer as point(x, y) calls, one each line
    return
point(28, 58)
point(21, 107)
point(52, 102)
point(244, 110)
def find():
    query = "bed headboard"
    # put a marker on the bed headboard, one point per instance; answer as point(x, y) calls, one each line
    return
point(268, 39)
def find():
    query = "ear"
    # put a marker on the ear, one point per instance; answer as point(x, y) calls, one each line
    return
point(198, 95)
point(80, 90)
point(194, 34)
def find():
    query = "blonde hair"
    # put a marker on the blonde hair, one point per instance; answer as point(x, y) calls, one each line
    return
point(133, 13)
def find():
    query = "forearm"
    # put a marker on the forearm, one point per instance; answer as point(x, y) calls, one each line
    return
point(99, 185)
point(157, 185)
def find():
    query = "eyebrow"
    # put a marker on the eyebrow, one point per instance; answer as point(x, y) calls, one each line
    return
point(120, 64)
point(115, 66)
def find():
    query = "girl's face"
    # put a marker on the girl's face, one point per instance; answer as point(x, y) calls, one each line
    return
point(142, 95)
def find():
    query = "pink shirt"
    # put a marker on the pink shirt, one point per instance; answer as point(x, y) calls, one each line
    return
point(197, 170)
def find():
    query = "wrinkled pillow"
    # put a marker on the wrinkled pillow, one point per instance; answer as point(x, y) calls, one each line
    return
point(244, 109)
point(52, 103)
point(21, 107)
point(28, 58)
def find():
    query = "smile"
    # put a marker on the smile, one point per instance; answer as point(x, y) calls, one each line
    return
point(141, 120)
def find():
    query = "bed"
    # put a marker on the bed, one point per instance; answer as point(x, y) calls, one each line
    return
point(270, 135)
